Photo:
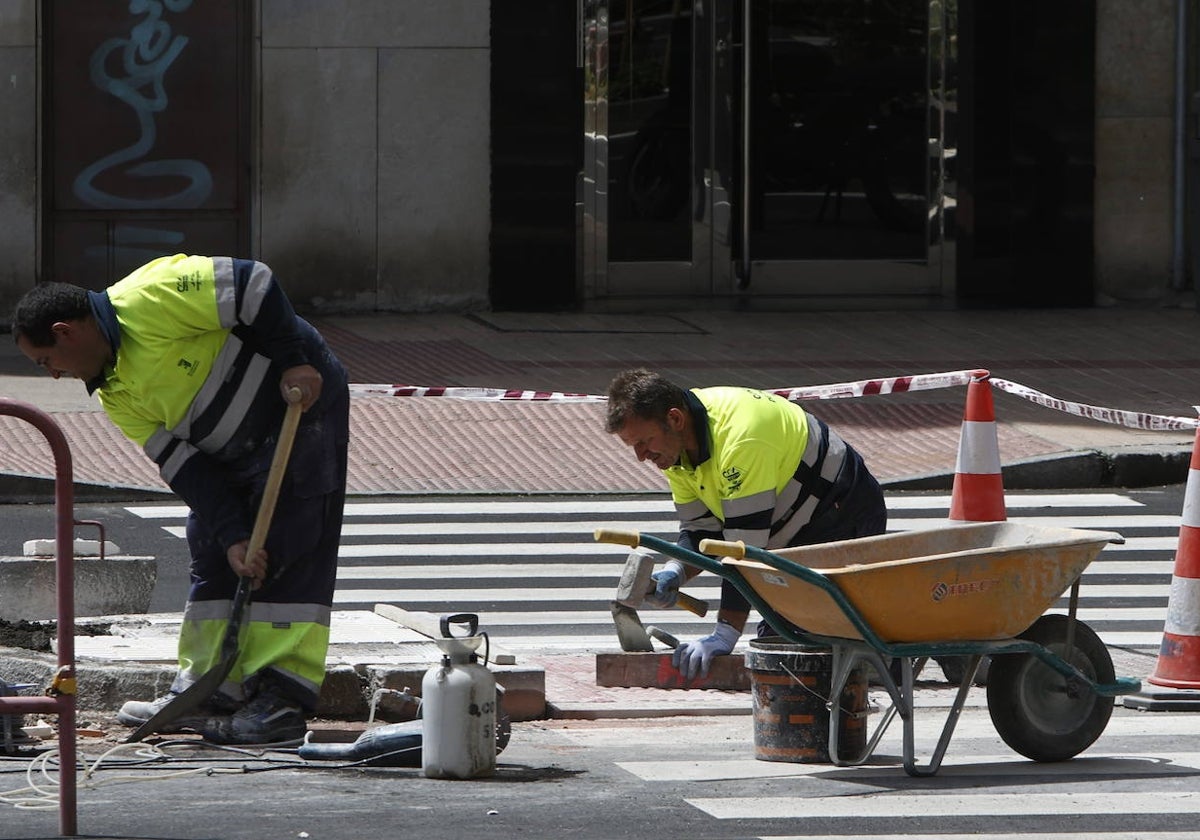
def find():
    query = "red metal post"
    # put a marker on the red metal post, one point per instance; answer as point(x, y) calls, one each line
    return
point(60, 696)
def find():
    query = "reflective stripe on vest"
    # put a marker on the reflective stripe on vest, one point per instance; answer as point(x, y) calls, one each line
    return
point(814, 478)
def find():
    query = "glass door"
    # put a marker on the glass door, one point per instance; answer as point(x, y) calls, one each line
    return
point(775, 148)
point(641, 236)
point(838, 147)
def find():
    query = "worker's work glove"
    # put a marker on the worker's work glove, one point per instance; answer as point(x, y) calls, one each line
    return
point(692, 658)
point(666, 586)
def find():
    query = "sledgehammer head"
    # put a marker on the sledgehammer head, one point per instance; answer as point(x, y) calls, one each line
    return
point(636, 584)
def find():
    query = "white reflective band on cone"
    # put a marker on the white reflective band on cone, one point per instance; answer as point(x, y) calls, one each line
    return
point(1191, 500)
point(1183, 607)
point(978, 450)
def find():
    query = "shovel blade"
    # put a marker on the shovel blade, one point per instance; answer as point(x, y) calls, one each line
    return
point(188, 700)
point(192, 697)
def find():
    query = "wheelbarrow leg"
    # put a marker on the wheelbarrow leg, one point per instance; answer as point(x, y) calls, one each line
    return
point(845, 659)
point(960, 699)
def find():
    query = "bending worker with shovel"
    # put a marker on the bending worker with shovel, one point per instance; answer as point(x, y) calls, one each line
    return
point(194, 359)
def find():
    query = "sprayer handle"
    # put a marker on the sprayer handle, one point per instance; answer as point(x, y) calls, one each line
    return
point(470, 620)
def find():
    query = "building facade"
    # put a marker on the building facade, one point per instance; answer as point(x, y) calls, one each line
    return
point(610, 155)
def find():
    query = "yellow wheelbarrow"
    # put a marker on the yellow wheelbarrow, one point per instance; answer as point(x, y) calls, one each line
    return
point(972, 590)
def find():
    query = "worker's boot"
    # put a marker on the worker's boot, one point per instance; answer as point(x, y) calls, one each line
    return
point(269, 718)
point(134, 713)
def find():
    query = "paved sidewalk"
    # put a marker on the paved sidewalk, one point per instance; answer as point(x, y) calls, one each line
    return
point(1135, 360)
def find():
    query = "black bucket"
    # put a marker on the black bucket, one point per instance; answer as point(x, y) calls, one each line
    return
point(790, 686)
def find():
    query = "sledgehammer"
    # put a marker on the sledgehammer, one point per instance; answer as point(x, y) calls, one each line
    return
point(636, 584)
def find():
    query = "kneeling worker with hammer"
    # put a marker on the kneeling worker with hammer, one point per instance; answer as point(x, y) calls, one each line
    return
point(742, 465)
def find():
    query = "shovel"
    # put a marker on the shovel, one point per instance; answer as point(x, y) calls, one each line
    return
point(204, 687)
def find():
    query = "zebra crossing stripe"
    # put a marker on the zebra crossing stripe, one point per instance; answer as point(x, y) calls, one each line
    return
point(1120, 725)
point(1167, 544)
point(487, 549)
point(912, 803)
point(578, 527)
point(1111, 522)
point(1185, 834)
point(584, 545)
point(1008, 764)
point(654, 504)
point(670, 526)
point(584, 528)
point(598, 595)
point(604, 594)
point(610, 572)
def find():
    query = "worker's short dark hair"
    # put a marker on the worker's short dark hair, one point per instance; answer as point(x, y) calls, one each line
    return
point(641, 393)
point(45, 305)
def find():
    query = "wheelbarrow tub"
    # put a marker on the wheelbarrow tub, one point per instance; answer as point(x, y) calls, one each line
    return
point(959, 582)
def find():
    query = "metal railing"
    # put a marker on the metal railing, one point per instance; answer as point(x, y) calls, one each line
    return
point(59, 698)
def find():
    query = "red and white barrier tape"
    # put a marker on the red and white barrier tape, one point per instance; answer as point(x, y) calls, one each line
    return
point(1112, 416)
point(840, 390)
point(468, 393)
point(871, 387)
point(863, 388)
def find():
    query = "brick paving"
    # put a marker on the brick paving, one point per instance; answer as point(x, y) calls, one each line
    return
point(1136, 360)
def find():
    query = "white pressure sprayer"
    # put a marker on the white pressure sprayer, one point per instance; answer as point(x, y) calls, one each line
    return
point(458, 706)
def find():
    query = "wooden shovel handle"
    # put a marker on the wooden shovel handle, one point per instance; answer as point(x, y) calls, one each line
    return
point(279, 462)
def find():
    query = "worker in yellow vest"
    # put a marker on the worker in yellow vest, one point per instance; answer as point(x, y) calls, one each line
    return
point(742, 464)
point(191, 357)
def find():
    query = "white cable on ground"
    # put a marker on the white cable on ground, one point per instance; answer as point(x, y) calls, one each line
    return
point(43, 785)
point(840, 390)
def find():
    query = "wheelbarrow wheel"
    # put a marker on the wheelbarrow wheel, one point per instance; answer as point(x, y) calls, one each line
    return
point(1037, 711)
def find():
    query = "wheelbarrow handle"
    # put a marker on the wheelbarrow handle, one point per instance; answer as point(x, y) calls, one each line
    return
point(727, 573)
point(724, 548)
point(630, 538)
point(635, 539)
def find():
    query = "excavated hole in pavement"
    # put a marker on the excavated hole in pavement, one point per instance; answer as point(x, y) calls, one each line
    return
point(37, 635)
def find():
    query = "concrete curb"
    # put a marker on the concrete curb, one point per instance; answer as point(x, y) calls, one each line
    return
point(1132, 466)
point(347, 692)
point(16, 488)
point(114, 585)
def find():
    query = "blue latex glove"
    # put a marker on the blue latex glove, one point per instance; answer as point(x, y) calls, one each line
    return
point(666, 586)
point(692, 658)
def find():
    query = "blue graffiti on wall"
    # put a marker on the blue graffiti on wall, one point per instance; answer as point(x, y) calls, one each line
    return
point(144, 58)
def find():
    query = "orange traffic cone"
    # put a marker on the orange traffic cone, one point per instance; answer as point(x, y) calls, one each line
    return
point(1179, 656)
point(978, 494)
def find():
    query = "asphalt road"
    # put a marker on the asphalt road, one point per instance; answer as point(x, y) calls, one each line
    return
point(674, 779)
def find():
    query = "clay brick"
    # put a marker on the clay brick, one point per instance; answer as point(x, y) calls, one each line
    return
point(654, 670)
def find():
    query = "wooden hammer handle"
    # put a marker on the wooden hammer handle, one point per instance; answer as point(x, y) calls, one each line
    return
point(691, 604)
